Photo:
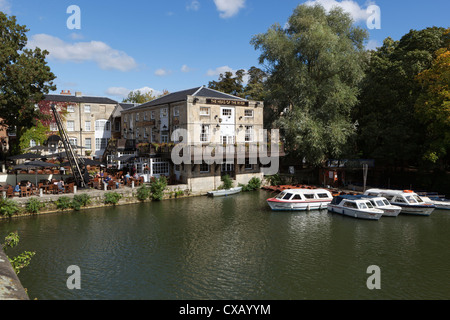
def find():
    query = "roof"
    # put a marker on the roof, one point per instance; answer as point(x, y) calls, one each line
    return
point(82, 99)
point(121, 107)
point(182, 96)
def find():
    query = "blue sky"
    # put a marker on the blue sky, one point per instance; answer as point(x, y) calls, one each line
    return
point(179, 44)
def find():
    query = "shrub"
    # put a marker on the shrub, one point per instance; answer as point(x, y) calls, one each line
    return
point(63, 203)
point(143, 193)
point(112, 198)
point(34, 205)
point(157, 187)
point(8, 207)
point(81, 200)
point(253, 184)
point(227, 182)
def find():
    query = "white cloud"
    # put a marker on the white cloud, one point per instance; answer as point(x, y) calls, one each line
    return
point(162, 72)
point(186, 69)
point(99, 52)
point(5, 6)
point(358, 13)
point(193, 5)
point(229, 8)
point(123, 92)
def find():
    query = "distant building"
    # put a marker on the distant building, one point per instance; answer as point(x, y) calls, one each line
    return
point(209, 118)
point(88, 121)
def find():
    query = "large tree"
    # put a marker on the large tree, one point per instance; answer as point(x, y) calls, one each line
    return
point(390, 130)
point(315, 66)
point(433, 108)
point(24, 78)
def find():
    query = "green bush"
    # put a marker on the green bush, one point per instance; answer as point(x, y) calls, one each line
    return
point(63, 203)
point(157, 187)
point(112, 198)
point(34, 205)
point(8, 207)
point(80, 200)
point(253, 184)
point(143, 192)
point(227, 182)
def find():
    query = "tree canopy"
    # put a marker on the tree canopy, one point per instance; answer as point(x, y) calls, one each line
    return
point(315, 66)
point(390, 114)
point(24, 78)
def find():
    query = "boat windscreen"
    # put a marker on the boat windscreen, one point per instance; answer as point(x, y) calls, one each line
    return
point(281, 195)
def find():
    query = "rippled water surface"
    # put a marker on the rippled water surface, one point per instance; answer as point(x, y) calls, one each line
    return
point(232, 248)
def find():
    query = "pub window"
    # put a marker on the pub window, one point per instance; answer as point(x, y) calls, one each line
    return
point(163, 112)
point(204, 135)
point(70, 125)
point(70, 109)
point(87, 109)
point(204, 111)
point(176, 112)
point(248, 165)
point(226, 112)
point(152, 115)
point(204, 167)
point(248, 133)
point(248, 113)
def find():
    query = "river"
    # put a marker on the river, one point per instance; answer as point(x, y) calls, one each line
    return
point(232, 248)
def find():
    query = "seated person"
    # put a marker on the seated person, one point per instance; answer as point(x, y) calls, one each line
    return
point(17, 188)
point(61, 185)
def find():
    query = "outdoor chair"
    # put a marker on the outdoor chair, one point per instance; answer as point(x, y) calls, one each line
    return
point(24, 192)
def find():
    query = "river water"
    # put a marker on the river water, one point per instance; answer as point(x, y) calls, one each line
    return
point(232, 248)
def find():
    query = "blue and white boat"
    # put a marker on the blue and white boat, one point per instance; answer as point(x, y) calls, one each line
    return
point(382, 203)
point(408, 200)
point(355, 206)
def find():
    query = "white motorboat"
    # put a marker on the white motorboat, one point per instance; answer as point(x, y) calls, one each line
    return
point(409, 201)
point(439, 203)
point(300, 200)
point(224, 192)
point(355, 206)
point(382, 203)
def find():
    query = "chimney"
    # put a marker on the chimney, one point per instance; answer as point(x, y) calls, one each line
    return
point(66, 92)
point(78, 94)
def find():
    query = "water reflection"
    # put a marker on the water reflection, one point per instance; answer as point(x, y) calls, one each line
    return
point(232, 248)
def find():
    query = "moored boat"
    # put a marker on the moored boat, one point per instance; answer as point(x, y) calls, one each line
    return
point(439, 203)
point(409, 201)
point(355, 206)
point(300, 200)
point(383, 204)
point(224, 192)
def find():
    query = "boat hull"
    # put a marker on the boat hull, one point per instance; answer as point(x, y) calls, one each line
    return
point(279, 205)
point(390, 212)
point(224, 193)
point(358, 214)
point(416, 210)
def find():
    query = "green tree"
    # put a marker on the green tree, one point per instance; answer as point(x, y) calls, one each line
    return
point(389, 129)
point(22, 260)
point(142, 97)
point(24, 78)
point(315, 66)
point(229, 83)
point(433, 107)
point(38, 134)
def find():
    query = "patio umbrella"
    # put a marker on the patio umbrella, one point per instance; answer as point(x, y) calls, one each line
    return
point(88, 162)
point(38, 148)
point(33, 165)
point(25, 156)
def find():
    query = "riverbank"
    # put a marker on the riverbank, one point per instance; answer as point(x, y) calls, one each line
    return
point(56, 203)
